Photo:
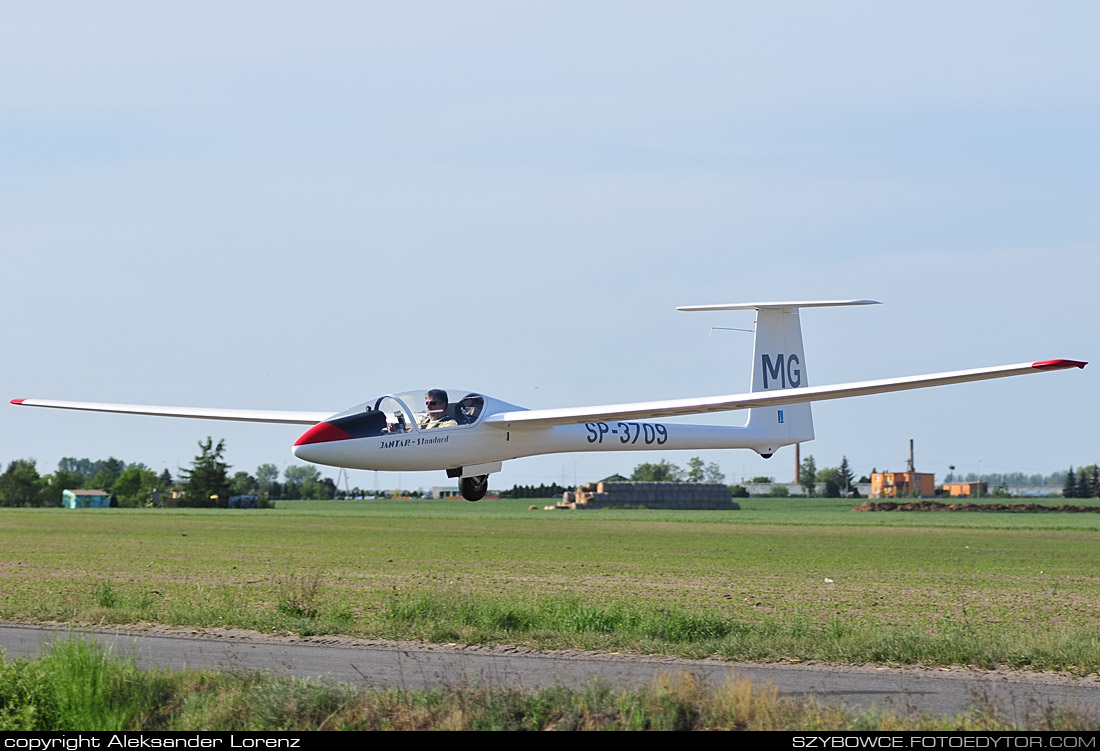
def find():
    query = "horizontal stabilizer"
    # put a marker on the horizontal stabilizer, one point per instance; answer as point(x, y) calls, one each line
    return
point(202, 413)
point(776, 305)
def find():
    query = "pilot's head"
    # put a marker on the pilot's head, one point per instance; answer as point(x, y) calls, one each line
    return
point(436, 402)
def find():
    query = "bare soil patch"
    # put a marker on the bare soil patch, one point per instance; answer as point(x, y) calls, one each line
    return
point(937, 506)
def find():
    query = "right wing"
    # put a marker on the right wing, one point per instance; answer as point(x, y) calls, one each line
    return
point(699, 405)
point(205, 413)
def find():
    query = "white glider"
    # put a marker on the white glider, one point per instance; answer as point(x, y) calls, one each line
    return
point(470, 434)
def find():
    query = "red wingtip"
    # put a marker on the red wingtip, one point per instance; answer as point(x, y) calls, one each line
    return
point(18, 401)
point(1058, 364)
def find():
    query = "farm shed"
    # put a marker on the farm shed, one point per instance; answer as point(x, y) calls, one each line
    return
point(85, 499)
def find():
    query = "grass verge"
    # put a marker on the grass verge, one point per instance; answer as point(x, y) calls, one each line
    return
point(79, 686)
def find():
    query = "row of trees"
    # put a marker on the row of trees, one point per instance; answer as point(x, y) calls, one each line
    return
point(836, 482)
point(128, 484)
point(552, 490)
point(664, 471)
point(206, 483)
point(1056, 479)
point(1085, 483)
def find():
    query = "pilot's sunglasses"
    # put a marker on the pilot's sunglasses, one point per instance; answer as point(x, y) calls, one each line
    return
point(432, 403)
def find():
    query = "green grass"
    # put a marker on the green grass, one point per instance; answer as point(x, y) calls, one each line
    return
point(78, 686)
point(906, 587)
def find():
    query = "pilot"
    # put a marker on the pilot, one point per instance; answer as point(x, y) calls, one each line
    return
point(436, 402)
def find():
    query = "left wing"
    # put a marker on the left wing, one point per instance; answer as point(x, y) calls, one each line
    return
point(700, 405)
point(205, 413)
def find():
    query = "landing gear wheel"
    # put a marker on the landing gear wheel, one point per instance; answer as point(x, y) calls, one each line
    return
point(474, 488)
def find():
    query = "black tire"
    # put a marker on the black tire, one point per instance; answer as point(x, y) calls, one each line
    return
point(474, 488)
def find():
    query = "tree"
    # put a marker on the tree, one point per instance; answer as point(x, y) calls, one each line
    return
point(714, 474)
point(662, 471)
point(847, 478)
point(301, 481)
point(695, 469)
point(135, 485)
point(830, 478)
point(266, 476)
point(107, 473)
point(305, 482)
point(73, 466)
point(807, 475)
point(243, 484)
point(1088, 482)
point(20, 485)
point(325, 490)
point(299, 474)
point(1069, 489)
point(1083, 490)
point(208, 479)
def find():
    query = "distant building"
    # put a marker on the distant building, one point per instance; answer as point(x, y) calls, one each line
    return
point(902, 484)
point(85, 499)
point(629, 494)
point(440, 492)
point(969, 489)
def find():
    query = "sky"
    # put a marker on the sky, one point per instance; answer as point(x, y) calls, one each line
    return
point(281, 205)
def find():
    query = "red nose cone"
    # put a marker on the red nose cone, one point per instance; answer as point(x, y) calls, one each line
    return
point(322, 432)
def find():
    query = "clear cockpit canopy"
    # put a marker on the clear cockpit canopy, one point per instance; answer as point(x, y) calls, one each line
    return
point(408, 411)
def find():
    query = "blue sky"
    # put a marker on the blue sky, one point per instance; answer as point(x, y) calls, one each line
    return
point(282, 205)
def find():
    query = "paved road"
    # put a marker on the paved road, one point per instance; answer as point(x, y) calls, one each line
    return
point(426, 666)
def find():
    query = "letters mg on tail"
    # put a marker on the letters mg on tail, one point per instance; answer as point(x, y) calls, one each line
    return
point(470, 434)
point(789, 377)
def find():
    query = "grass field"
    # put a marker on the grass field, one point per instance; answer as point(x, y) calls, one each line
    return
point(781, 579)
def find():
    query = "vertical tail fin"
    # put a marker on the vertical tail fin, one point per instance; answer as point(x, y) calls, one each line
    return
point(779, 362)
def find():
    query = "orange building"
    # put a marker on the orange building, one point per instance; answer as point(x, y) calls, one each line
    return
point(968, 489)
point(902, 484)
